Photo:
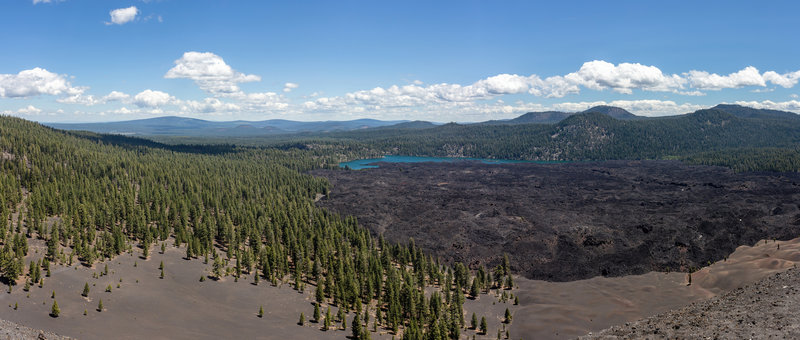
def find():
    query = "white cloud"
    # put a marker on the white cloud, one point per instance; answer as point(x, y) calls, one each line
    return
point(208, 105)
point(45, 1)
point(749, 76)
point(123, 111)
point(210, 72)
point(30, 110)
point(88, 100)
point(91, 100)
point(552, 87)
point(150, 98)
point(792, 105)
point(794, 95)
point(122, 16)
point(624, 78)
point(116, 96)
point(784, 80)
point(288, 87)
point(34, 82)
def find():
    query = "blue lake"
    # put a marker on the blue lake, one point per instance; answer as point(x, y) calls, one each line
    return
point(364, 163)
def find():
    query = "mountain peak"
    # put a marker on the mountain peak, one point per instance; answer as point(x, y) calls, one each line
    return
point(613, 111)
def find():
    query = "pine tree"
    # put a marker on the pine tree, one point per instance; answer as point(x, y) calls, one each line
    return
point(508, 316)
point(261, 311)
point(55, 311)
point(100, 306)
point(355, 326)
point(319, 295)
point(85, 290)
point(316, 313)
point(302, 319)
point(162, 274)
point(484, 327)
point(473, 322)
point(217, 266)
point(474, 291)
point(328, 317)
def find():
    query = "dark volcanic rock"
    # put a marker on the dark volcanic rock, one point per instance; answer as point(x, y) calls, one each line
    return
point(570, 221)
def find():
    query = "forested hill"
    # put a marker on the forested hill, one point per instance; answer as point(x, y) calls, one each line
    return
point(593, 136)
point(244, 210)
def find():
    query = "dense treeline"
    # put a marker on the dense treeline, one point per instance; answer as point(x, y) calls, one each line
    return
point(245, 210)
point(751, 159)
point(589, 136)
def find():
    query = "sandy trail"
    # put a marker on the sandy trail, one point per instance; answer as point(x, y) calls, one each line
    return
point(551, 310)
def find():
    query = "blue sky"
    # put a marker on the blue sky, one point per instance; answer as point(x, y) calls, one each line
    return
point(104, 60)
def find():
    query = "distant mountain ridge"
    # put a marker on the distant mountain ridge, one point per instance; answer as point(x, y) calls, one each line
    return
point(552, 117)
point(181, 126)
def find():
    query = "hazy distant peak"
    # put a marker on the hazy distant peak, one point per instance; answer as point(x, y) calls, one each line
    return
point(613, 111)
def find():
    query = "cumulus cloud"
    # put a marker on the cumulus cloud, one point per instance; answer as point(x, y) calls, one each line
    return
point(596, 75)
point(787, 80)
point(90, 100)
point(208, 105)
point(624, 78)
point(35, 82)
point(210, 72)
point(121, 16)
point(791, 105)
point(123, 111)
point(749, 76)
point(552, 87)
point(150, 98)
point(29, 110)
point(116, 96)
point(288, 87)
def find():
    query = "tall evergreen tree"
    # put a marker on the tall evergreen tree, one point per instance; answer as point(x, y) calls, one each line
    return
point(355, 326)
point(54, 310)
